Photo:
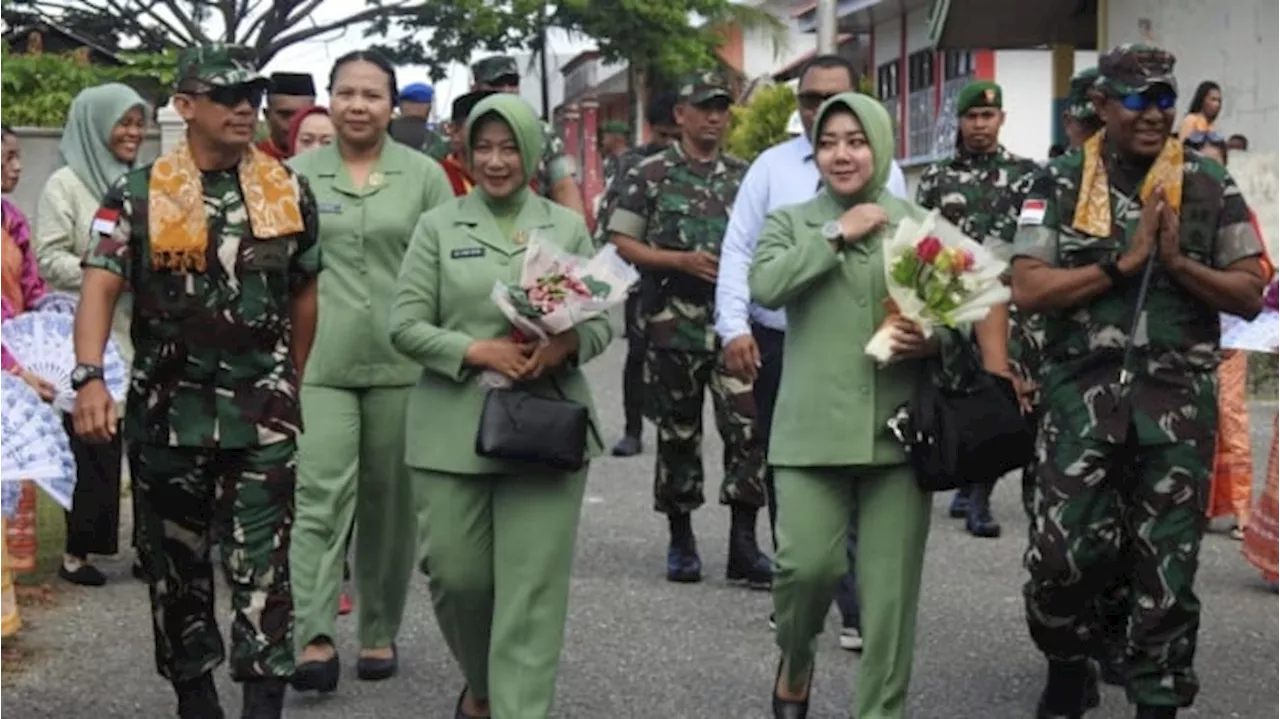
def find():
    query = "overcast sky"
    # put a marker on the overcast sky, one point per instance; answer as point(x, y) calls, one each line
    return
point(317, 56)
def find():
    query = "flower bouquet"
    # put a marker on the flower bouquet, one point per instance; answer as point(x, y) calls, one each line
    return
point(557, 291)
point(936, 277)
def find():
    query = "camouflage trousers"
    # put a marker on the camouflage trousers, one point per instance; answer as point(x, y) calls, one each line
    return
point(676, 383)
point(188, 497)
point(1110, 520)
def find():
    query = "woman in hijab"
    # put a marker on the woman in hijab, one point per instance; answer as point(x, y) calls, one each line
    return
point(498, 536)
point(311, 127)
point(99, 144)
point(822, 261)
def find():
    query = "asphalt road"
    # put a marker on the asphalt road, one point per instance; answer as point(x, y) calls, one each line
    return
point(641, 648)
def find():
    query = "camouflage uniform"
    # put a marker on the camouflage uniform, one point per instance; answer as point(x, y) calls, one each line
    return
point(554, 165)
point(671, 201)
point(1123, 474)
point(976, 193)
point(212, 413)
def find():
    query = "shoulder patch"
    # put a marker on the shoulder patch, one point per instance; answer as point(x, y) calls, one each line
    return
point(1032, 212)
point(105, 221)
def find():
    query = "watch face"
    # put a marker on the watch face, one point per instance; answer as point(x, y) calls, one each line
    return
point(78, 375)
point(831, 230)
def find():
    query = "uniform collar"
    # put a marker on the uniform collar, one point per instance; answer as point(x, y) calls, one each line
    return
point(387, 170)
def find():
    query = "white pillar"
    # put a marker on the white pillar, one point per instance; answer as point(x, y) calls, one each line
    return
point(826, 27)
point(172, 127)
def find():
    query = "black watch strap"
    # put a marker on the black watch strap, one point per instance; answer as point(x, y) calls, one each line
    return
point(83, 374)
point(1113, 273)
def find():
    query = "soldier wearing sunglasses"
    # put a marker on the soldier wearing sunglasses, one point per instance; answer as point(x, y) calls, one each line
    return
point(1130, 249)
point(217, 241)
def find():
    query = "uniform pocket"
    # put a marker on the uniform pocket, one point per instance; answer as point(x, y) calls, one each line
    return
point(1083, 251)
point(268, 255)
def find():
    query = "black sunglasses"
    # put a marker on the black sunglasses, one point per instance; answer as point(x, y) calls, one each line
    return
point(230, 96)
point(813, 100)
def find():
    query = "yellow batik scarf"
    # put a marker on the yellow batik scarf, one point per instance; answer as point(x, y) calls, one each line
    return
point(1093, 206)
point(176, 223)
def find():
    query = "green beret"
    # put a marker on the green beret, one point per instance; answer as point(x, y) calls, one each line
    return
point(614, 127)
point(979, 93)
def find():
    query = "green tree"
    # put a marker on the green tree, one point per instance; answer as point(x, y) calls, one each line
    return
point(761, 123)
point(38, 89)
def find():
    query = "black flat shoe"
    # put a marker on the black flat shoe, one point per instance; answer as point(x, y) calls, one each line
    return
point(371, 669)
point(86, 575)
point(263, 698)
point(317, 676)
point(787, 708)
point(458, 713)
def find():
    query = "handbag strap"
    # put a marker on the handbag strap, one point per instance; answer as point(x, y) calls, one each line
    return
point(591, 425)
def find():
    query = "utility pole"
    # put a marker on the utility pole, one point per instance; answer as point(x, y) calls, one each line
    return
point(826, 27)
point(546, 80)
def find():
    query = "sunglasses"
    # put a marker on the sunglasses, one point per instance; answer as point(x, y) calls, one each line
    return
point(813, 100)
point(1139, 101)
point(230, 96)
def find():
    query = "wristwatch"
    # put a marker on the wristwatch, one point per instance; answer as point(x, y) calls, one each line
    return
point(832, 232)
point(83, 374)
point(1112, 270)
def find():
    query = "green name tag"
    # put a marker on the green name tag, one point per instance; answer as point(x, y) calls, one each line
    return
point(466, 253)
point(329, 208)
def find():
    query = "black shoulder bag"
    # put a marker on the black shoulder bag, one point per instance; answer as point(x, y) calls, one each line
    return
point(956, 437)
point(519, 426)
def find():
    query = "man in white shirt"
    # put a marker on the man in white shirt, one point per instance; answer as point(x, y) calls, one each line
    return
point(751, 335)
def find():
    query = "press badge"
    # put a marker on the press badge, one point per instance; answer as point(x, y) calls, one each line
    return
point(329, 208)
point(466, 253)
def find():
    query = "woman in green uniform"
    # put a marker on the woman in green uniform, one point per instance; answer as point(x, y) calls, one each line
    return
point(498, 537)
point(831, 449)
point(370, 191)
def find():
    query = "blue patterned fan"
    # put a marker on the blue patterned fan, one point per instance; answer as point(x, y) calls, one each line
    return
point(10, 493)
point(42, 343)
point(63, 303)
point(33, 444)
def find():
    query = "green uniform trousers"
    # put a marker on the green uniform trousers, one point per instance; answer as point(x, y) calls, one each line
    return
point(892, 514)
point(500, 549)
point(185, 499)
point(351, 464)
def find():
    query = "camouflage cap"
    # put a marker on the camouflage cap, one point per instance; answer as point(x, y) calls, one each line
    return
point(491, 69)
point(1079, 104)
point(699, 87)
point(219, 65)
point(614, 127)
point(1135, 67)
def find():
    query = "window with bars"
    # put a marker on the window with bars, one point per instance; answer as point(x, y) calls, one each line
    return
point(920, 105)
point(957, 70)
point(889, 89)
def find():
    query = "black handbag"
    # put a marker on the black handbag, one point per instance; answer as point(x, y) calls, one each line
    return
point(972, 435)
point(519, 426)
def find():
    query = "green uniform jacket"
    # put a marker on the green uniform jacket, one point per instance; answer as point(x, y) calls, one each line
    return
point(442, 305)
point(363, 237)
point(833, 402)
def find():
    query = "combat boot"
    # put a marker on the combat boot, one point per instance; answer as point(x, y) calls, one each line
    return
point(683, 564)
point(1070, 690)
point(263, 698)
point(1150, 712)
point(978, 520)
point(747, 565)
point(198, 698)
point(960, 504)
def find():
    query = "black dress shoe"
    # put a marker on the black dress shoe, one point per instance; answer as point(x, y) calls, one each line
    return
point(1071, 690)
point(317, 676)
point(628, 446)
point(86, 575)
point(458, 713)
point(263, 698)
point(371, 669)
point(786, 708)
point(1150, 712)
point(198, 699)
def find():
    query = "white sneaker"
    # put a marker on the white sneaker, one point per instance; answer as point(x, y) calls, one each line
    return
point(851, 639)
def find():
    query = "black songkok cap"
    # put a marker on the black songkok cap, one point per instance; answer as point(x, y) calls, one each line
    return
point(292, 83)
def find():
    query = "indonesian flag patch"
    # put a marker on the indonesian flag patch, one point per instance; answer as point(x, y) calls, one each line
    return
point(104, 221)
point(1032, 212)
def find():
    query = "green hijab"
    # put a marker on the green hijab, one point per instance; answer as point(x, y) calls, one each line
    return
point(86, 139)
point(878, 127)
point(527, 129)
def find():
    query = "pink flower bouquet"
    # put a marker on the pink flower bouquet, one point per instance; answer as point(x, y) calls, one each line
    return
point(558, 290)
point(936, 277)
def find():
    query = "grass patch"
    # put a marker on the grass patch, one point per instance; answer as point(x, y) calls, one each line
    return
point(1263, 370)
point(51, 539)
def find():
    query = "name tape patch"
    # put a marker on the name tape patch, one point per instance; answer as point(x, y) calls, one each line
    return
point(1032, 212)
point(329, 208)
point(105, 221)
point(466, 253)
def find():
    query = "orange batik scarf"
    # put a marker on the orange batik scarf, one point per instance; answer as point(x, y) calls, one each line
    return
point(176, 218)
point(1093, 207)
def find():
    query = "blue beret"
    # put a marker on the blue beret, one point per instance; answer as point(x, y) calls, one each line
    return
point(417, 92)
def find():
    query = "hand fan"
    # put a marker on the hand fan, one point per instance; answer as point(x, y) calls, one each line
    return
point(42, 343)
point(10, 493)
point(63, 303)
point(33, 444)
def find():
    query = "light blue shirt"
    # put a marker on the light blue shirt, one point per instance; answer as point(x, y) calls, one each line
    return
point(785, 174)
